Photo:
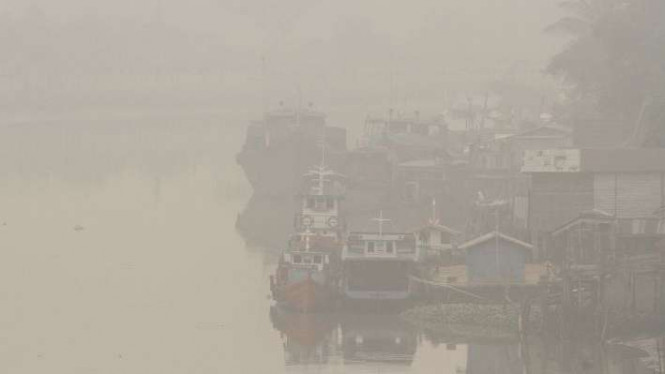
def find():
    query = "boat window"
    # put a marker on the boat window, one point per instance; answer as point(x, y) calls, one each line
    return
point(310, 203)
point(398, 127)
point(370, 247)
point(389, 247)
point(321, 203)
point(317, 259)
point(297, 259)
point(330, 203)
point(308, 260)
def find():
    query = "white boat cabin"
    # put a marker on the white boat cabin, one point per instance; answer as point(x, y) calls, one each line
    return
point(320, 213)
point(320, 205)
point(315, 260)
point(400, 246)
point(435, 237)
point(309, 250)
point(378, 127)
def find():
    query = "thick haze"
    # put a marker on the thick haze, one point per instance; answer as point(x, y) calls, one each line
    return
point(135, 238)
point(201, 53)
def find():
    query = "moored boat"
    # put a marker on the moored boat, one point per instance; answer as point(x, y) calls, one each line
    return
point(278, 149)
point(307, 276)
point(377, 266)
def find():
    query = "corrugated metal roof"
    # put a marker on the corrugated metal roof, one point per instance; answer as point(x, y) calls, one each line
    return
point(600, 160)
point(492, 235)
point(421, 163)
point(623, 159)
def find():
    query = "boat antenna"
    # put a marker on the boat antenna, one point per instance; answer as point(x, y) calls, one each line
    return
point(319, 174)
point(299, 103)
point(381, 220)
point(497, 235)
point(434, 220)
point(264, 97)
point(323, 149)
point(307, 235)
point(321, 179)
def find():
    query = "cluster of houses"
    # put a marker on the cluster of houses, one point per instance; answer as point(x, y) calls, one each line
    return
point(490, 203)
point(535, 206)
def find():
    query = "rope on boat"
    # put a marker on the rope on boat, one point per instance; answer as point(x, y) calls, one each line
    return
point(447, 285)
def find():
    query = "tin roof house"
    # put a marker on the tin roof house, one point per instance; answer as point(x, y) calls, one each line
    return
point(496, 258)
point(437, 241)
point(495, 167)
point(624, 183)
point(618, 259)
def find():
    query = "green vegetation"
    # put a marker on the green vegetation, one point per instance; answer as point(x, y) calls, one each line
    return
point(615, 64)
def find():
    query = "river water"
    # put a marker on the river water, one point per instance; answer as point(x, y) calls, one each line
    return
point(119, 254)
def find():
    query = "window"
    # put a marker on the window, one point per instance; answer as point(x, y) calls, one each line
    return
point(297, 259)
point(317, 259)
point(370, 247)
point(310, 203)
point(330, 203)
point(399, 127)
point(389, 247)
point(308, 260)
point(444, 238)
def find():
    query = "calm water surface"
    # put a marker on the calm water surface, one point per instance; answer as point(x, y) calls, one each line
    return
point(119, 254)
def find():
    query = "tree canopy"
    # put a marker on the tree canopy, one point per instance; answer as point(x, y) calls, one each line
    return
point(615, 63)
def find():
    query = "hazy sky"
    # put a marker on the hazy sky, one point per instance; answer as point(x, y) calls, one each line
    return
point(250, 21)
point(333, 49)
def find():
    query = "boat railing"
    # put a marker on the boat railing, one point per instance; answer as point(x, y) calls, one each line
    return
point(354, 250)
point(307, 260)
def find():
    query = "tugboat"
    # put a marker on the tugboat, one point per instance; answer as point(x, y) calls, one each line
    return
point(277, 148)
point(307, 276)
point(307, 338)
point(405, 138)
point(377, 266)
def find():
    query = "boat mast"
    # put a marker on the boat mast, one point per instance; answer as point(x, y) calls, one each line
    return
point(321, 171)
point(321, 180)
point(381, 221)
point(434, 220)
point(307, 235)
point(264, 84)
point(299, 104)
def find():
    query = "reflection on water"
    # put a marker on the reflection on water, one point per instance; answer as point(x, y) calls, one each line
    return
point(386, 343)
point(120, 255)
point(345, 339)
point(377, 338)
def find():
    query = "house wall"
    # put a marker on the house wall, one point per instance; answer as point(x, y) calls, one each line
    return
point(635, 292)
point(629, 195)
point(522, 144)
point(556, 198)
point(434, 237)
point(481, 262)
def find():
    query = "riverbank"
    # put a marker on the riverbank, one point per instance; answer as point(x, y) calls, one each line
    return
point(492, 321)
